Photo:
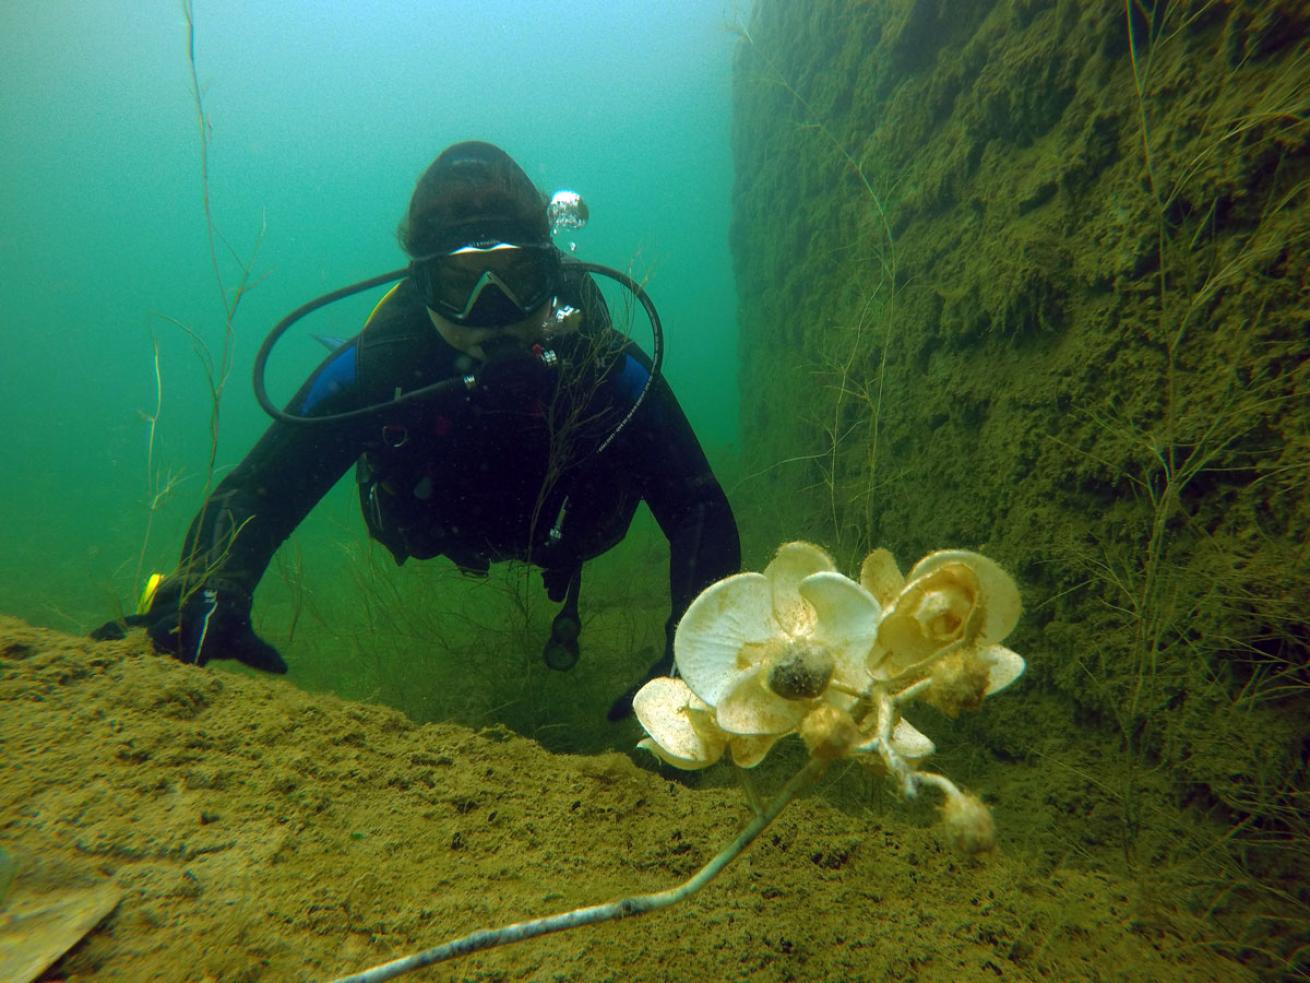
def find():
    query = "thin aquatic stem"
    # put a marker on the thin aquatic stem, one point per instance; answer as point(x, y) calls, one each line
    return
point(623, 908)
point(152, 487)
point(868, 392)
point(218, 370)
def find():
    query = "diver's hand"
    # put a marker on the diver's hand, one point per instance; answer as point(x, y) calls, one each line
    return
point(212, 624)
point(621, 708)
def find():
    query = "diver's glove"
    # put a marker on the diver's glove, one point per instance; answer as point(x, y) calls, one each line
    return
point(213, 623)
point(621, 708)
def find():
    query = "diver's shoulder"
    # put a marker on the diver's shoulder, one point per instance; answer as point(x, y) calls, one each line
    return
point(399, 312)
point(399, 346)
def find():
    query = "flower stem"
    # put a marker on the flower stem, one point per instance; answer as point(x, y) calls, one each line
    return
point(623, 908)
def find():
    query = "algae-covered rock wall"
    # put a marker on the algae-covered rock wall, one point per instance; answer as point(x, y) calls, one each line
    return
point(1030, 277)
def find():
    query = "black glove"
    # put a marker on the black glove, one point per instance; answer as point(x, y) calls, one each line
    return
point(621, 708)
point(212, 624)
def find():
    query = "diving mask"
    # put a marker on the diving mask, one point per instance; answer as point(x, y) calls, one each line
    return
point(488, 284)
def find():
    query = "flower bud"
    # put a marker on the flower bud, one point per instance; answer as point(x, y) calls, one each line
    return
point(959, 682)
point(969, 823)
point(829, 733)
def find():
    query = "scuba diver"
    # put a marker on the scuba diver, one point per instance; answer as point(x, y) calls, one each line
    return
point(492, 413)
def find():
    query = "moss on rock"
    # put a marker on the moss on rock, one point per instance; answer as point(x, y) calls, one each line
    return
point(1029, 277)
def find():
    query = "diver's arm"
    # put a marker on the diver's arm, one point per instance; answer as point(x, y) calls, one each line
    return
point(202, 611)
point(264, 498)
point(686, 499)
point(660, 449)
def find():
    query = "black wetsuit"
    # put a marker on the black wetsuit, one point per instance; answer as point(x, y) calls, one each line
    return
point(511, 470)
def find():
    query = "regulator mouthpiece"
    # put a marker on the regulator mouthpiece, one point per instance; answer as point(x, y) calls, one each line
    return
point(562, 320)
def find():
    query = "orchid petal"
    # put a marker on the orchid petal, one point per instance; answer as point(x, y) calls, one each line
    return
point(665, 706)
point(846, 623)
point(910, 742)
point(1000, 602)
point(686, 764)
point(881, 577)
point(747, 752)
point(750, 708)
point(790, 565)
point(716, 637)
point(1003, 667)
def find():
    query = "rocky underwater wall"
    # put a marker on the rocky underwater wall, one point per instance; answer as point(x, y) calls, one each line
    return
point(1030, 277)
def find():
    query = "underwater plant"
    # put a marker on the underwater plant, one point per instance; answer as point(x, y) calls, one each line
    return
point(161, 483)
point(1201, 639)
point(802, 649)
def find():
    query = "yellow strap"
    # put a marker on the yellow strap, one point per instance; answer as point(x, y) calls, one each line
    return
point(378, 306)
point(148, 593)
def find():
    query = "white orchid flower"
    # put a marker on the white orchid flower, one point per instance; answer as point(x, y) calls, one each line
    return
point(764, 649)
point(945, 620)
point(756, 653)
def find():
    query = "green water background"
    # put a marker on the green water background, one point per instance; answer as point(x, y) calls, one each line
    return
point(322, 115)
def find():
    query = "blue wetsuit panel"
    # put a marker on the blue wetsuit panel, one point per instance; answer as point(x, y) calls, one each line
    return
point(335, 376)
point(630, 379)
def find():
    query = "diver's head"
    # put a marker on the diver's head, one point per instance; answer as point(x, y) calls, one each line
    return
point(479, 241)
